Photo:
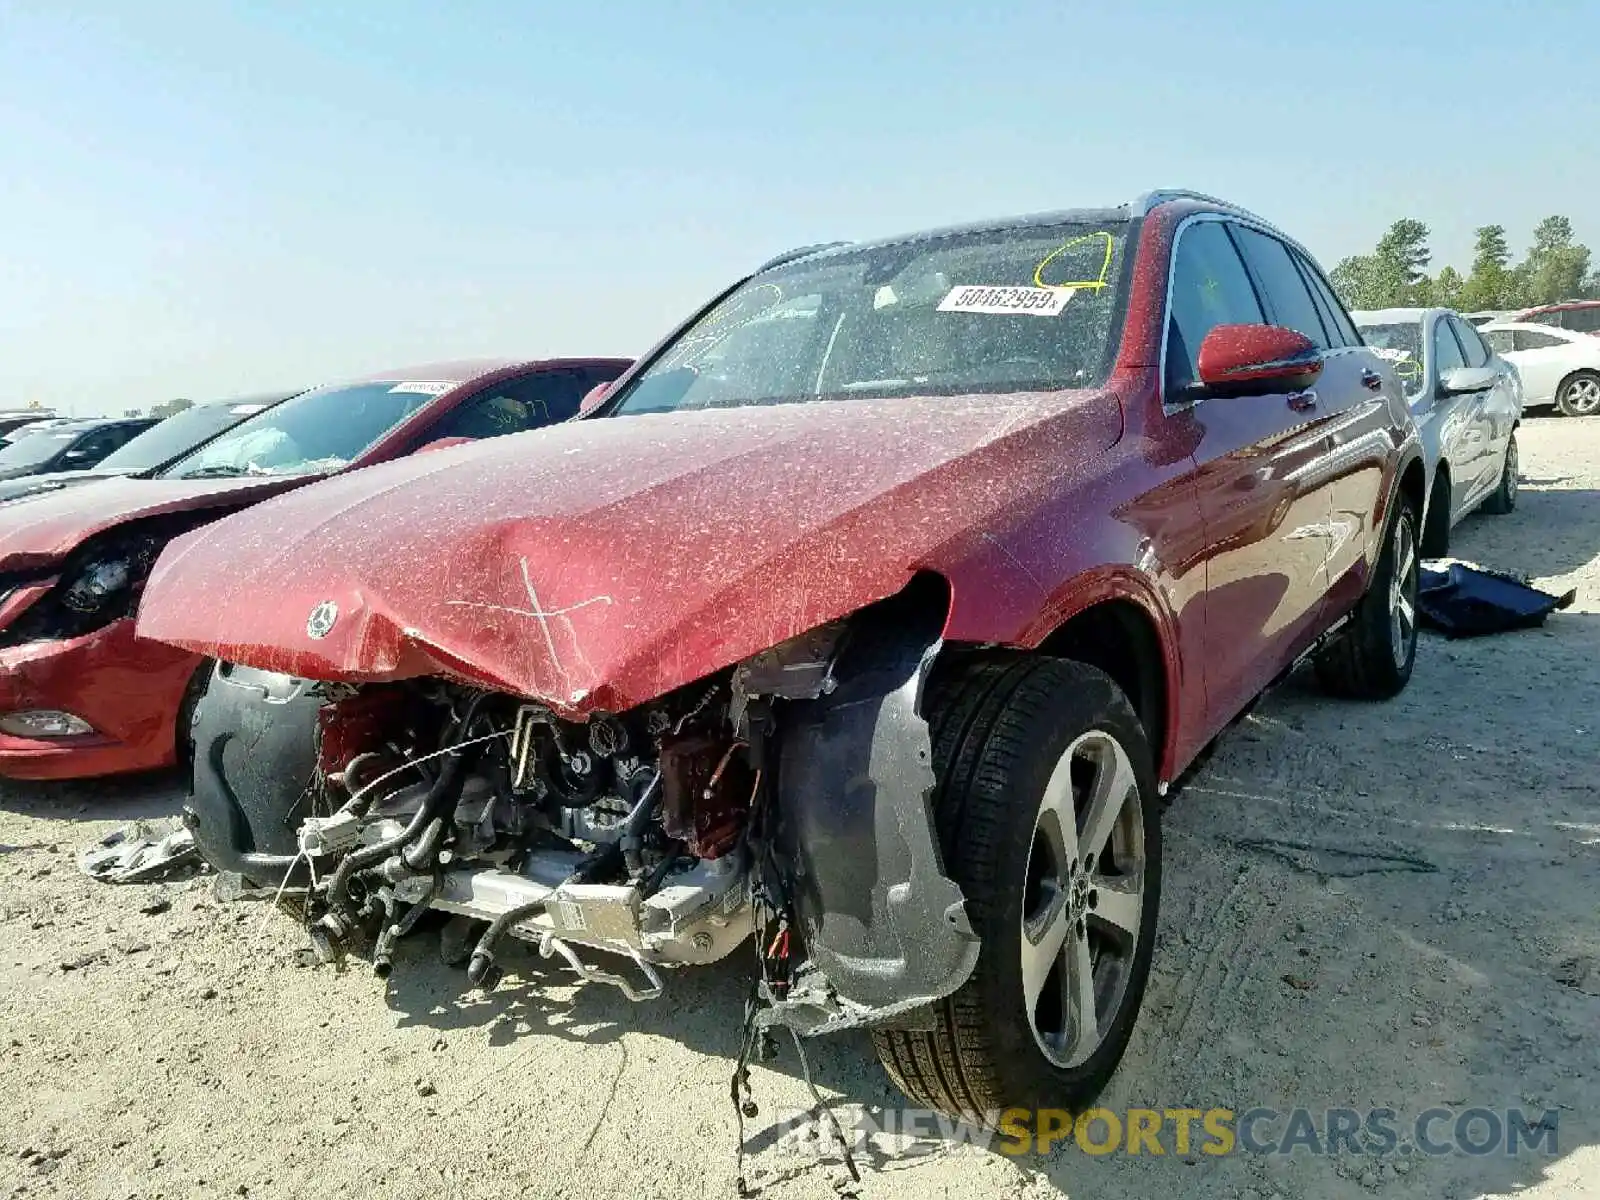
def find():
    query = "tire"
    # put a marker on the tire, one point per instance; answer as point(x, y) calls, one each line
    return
point(1579, 395)
point(1003, 733)
point(1436, 525)
point(1504, 497)
point(1372, 659)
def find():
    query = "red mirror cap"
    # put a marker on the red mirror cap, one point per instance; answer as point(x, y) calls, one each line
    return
point(593, 396)
point(445, 443)
point(1258, 358)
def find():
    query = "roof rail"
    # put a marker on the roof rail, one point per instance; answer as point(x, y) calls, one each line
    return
point(1162, 195)
point(789, 256)
point(1149, 200)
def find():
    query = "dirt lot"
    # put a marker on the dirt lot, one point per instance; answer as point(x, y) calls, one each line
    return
point(1388, 905)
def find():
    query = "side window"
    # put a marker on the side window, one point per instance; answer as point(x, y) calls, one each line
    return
point(1584, 320)
point(1286, 295)
point(1477, 353)
point(94, 446)
point(1209, 288)
point(1503, 340)
point(1529, 339)
point(1446, 352)
point(514, 405)
point(1543, 318)
point(1340, 327)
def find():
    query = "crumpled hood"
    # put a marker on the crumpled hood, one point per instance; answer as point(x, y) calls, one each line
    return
point(39, 530)
point(600, 563)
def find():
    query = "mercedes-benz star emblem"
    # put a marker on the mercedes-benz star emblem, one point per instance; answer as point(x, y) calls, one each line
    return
point(320, 623)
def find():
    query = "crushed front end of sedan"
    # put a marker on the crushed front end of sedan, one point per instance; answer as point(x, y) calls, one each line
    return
point(862, 623)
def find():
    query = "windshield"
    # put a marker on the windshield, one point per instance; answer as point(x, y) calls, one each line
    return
point(1023, 309)
point(31, 449)
point(314, 433)
point(178, 433)
point(1401, 344)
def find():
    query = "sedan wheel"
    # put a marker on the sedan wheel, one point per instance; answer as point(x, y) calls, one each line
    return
point(1580, 395)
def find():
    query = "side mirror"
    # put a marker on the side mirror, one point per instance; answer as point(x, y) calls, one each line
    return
point(1458, 380)
point(1256, 360)
point(444, 443)
point(592, 398)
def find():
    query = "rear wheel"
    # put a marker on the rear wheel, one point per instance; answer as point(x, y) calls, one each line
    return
point(1504, 497)
point(1579, 395)
point(1048, 820)
point(1373, 657)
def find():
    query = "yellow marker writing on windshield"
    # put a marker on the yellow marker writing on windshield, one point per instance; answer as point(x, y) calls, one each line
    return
point(1105, 265)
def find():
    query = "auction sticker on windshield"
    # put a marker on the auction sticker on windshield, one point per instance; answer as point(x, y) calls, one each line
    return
point(999, 301)
point(423, 387)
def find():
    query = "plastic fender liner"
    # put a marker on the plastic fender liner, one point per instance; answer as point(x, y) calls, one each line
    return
point(879, 917)
point(254, 757)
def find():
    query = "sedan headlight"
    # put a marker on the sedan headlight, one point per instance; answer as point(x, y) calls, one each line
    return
point(44, 723)
point(98, 584)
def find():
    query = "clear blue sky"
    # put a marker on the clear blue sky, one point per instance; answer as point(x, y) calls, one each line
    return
point(211, 198)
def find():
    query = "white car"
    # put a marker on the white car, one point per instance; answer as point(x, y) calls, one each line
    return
point(1467, 403)
point(1558, 366)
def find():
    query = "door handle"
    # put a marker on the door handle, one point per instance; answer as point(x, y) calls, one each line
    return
point(1303, 401)
point(1372, 380)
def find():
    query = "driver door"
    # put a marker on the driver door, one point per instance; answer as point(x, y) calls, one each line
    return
point(1266, 515)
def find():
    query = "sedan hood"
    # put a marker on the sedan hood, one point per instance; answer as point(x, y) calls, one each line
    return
point(30, 485)
point(48, 526)
point(600, 563)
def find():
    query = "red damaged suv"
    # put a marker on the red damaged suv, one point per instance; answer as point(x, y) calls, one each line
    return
point(80, 694)
point(869, 615)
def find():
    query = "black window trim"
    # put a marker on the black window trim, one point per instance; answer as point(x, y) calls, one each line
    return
point(1261, 289)
point(1465, 334)
point(1444, 319)
point(1349, 334)
point(1226, 219)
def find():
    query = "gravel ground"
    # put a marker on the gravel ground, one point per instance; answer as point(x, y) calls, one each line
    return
point(1366, 905)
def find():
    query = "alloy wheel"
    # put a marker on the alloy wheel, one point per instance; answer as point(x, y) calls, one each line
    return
point(1083, 898)
point(1403, 593)
point(1583, 396)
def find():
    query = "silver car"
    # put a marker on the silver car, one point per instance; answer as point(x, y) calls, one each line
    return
point(1467, 402)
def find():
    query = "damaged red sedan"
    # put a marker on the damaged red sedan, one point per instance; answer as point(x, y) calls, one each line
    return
point(80, 694)
point(866, 620)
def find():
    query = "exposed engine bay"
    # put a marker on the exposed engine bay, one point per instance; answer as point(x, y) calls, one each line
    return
point(625, 834)
point(784, 799)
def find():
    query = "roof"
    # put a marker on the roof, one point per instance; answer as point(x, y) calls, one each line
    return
point(1566, 335)
point(76, 424)
point(466, 370)
point(1558, 306)
point(1085, 216)
point(1390, 316)
point(253, 398)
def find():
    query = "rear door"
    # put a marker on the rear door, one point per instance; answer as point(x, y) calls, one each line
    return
point(1353, 397)
point(1265, 519)
point(1543, 360)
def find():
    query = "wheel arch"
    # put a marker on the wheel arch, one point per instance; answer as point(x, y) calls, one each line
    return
point(1435, 514)
point(1570, 376)
point(1120, 636)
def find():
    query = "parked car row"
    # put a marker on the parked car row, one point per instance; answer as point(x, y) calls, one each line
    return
point(868, 616)
point(1467, 402)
